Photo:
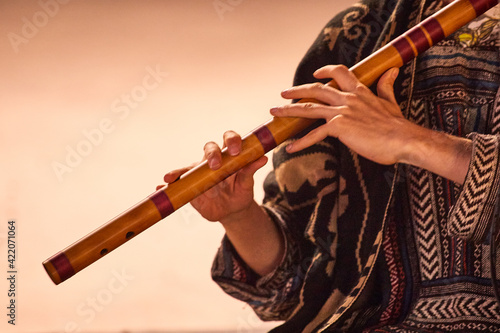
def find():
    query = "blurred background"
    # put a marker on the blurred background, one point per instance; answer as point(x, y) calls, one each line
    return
point(99, 99)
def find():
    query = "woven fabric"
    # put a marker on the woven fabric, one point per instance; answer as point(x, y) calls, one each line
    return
point(386, 248)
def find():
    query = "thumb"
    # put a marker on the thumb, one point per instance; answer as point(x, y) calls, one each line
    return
point(245, 176)
point(385, 86)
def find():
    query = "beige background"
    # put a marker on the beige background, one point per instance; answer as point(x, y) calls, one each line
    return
point(66, 71)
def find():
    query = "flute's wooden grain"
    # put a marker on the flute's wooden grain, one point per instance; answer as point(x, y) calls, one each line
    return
point(170, 198)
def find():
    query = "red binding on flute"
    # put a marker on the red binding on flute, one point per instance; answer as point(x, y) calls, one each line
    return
point(165, 201)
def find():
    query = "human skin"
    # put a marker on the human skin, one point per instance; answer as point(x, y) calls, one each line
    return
point(371, 125)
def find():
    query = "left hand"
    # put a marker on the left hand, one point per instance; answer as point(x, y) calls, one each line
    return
point(372, 126)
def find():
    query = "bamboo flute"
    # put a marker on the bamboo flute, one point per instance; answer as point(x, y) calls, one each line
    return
point(264, 138)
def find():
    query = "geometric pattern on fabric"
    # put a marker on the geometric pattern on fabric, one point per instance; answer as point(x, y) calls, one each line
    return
point(430, 267)
point(467, 219)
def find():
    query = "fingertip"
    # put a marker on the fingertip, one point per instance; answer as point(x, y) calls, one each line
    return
point(252, 168)
point(395, 73)
point(276, 110)
point(326, 71)
point(262, 161)
point(286, 92)
point(391, 75)
point(321, 73)
point(385, 87)
point(170, 177)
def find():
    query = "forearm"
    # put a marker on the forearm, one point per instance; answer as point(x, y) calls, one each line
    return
point(443, 154)
point(256, 238)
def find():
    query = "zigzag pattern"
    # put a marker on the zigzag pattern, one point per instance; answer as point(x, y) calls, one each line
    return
point(421, 205)
point(391, 265)
point(495, 117)
point(459, 250)
point(456, 306)
point(417, 112)
point(449, 120)
point(396, 273)
point(427, 237)
point(467, 214)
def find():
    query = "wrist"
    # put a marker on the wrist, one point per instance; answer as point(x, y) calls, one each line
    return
point(418, 142)
point(256, 238)
point(248, 213)
point(438, 152)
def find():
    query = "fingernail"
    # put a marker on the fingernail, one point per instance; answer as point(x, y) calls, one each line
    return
point(289, 147)
point(213, 164)
point(274, 110)
point(233, 151)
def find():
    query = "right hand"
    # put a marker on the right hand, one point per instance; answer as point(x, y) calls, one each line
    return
point(232, 198)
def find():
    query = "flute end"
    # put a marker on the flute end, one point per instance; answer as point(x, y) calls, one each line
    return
point(58, 268)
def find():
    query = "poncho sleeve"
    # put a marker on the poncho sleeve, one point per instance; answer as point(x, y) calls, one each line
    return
point(272, 296)
point(473, 212)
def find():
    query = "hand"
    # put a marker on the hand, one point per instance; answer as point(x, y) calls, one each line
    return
point(231, 198)
point(373, 126)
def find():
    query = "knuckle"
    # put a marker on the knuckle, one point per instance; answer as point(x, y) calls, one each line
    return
point(360, 89)
point(344, 109)
point(317, 85)
point(350, 98)
point(309, 105)
point(338, 121)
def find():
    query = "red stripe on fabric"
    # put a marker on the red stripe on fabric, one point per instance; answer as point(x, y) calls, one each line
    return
point(481, 6)
point(418, 38)
point(434, 29)
point(162, 203)
point(63, 266)
point(265, 137)
point(440, 114)
point(404, 48)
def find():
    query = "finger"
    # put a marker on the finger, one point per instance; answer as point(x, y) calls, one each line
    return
point(385, 86)
point(306, 110)
point(232, 141)
point(173, 175)
point(159, 187)
point(213, 155)
point(320, 92)
point(344, 78)
point(314, 136)
point(245, 176)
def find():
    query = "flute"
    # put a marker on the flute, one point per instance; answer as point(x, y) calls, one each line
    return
point(264, 138)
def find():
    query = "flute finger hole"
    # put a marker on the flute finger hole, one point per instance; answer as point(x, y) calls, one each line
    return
point(129, 234)
point(104, 251)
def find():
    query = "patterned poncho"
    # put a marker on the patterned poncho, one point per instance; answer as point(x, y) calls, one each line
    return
point(387, 248)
